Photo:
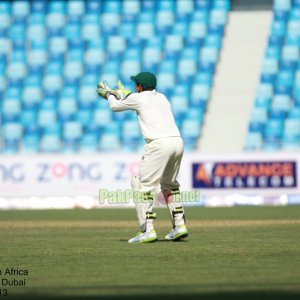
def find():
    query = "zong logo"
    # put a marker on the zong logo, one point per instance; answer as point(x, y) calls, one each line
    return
point(71, 172)
point(12, 173)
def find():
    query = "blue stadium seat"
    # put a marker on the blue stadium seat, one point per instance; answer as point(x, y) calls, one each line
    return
point(12, 133)
point(273, 129)
point(198, 30)
point(292, 128)
point(36, 32)
point(93, 6)
point(195, 114)
point(271, 145)
point(55, 21)
point(30, 143)
point(94, 56)
point(254, 141)
point(164, 21)
point(180, 28)
point(201, 91)
point(72, 131)
point(116, 44)
point(290, 143)
point(145, 30)
point(54, 68)
point(218, 17)
point(278, 28)
point(74, 31)
point(282, 5)
point(151, 55)
point(292, 40)
point(169, 65)
point(58, 6)
point(221, 4)
point(129, 67)
point(46, 117)
point(259, 115)
point(67, 109)
point(4, 22)
point(203, 78)
point(201, 16)
point(20, 8)
point(102, 117)
point(73, 70)
point(273, 52)
point(270, 66)
point(165, 81)
point(131, 130)
point(110, 21)
point(294, 113)
point(281, 102)
point(87, 96)
point(275, 114)
point(184, 7)
point(91, 31)
point(209, 55)
point(32, 96)
point(50, 143)
point(187, 68)
point(11, 109)
point(166, 5)
point(5, 7)
point(264, 91)
point(38, 6)
point(294, 14)
point(84, 116)
point(213, 41)
point(17, 70)
point(58, 45)
point(290, 53)
point(173, 43)
point(180, 104)
point(263, 102)
point(37, 57)
point(190, 129)
point(53, 82)
point(89, 143)
point(76, 7)
point(256, 127)
point(131, 7)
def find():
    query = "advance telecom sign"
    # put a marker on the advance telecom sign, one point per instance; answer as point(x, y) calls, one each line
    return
point(244, 175)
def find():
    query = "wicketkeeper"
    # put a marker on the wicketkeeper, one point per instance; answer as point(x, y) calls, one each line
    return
point(162, 152)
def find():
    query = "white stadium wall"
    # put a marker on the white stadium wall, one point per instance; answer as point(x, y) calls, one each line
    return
point(70, 181)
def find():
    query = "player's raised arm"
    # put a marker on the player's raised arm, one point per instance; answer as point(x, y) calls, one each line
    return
point(120, 99)
point(131, 102)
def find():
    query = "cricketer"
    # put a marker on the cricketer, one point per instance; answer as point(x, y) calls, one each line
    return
point(163, 152)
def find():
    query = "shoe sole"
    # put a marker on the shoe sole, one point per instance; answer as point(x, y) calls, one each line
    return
point(151, 241)
point(182, 236)
point(144, 242)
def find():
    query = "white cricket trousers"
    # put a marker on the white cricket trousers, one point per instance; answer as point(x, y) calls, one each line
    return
point(160, 166)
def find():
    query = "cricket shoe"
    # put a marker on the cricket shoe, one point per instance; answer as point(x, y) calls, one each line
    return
point(179, 232)
point(144, 237)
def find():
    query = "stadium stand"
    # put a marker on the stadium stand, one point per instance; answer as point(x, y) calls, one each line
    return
point(275, 119)
point(53, 53)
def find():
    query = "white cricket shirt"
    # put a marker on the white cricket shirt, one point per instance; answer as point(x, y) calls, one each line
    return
point(153, 110)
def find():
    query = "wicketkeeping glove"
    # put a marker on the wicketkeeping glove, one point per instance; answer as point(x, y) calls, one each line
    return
point(104, 90)
point(121, 91)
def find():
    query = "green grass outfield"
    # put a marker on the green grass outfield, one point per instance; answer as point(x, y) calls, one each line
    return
point(231, 253)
